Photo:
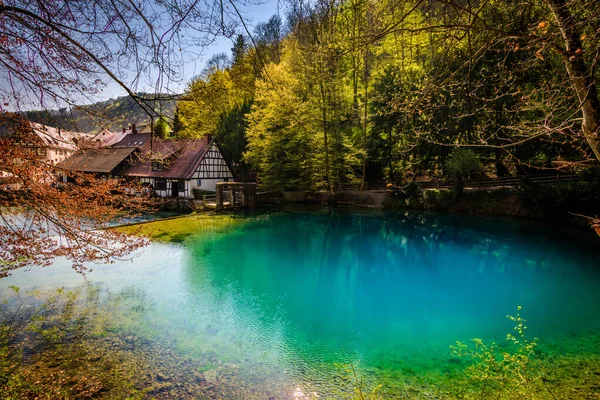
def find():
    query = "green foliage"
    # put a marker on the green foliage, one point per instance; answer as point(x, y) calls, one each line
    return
point(438, 199)
point(508, 372)
point(282, 144)
point(162, 128)
point(177, 124)
point(238, 51)
point(462, 164)
point(370, 91)
point(231, 133)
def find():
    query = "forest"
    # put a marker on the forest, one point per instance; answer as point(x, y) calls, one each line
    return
point(346, 92)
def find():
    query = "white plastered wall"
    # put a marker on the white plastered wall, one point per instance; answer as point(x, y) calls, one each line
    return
point(205, 184)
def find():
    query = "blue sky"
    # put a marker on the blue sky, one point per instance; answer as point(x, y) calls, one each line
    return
point(254, 15)
point(196, 58)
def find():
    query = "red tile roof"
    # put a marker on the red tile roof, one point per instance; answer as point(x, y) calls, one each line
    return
point(182, 158)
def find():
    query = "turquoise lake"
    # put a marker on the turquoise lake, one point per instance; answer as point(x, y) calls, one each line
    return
point(285, 299)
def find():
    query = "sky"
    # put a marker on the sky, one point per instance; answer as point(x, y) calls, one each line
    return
point(254, 15)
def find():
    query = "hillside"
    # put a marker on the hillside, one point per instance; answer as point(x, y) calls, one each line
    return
point(113, 114)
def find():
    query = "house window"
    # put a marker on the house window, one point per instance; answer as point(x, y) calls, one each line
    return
point(199, 183)
point(157, 166)
point(160, 184)
point(181, 185)
point(41, 151)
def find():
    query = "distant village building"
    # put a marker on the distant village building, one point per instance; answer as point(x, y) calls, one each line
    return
point(106, 138)
point(51, 144)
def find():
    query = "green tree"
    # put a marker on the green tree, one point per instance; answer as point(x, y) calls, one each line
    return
point(231, 134)
point(282, 144)
point(162, 128)
point(239, 49)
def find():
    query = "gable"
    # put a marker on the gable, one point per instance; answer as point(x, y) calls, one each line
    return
point(213, 165)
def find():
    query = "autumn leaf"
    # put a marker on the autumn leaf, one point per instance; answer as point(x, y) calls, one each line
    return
point(542, 25)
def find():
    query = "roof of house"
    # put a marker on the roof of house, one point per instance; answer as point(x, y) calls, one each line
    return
point(106, 138)
point(183, 157)
point(57, 138)
point(102, 160)
point(133, 140)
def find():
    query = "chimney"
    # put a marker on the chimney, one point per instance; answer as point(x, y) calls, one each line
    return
point(133, 128)
point(124, 129)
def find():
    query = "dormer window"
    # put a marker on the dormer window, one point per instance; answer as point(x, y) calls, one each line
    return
point(158, 166)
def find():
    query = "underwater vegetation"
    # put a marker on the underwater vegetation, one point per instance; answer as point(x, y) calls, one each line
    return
point(88, 344)
point(178, 229)
point(326, 305)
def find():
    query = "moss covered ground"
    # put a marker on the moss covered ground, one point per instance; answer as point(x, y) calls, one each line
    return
point(179, 229)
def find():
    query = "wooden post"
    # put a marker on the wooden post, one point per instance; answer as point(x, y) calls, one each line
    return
point(219, 198)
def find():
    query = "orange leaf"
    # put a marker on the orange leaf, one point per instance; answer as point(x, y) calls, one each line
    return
point(542, 25)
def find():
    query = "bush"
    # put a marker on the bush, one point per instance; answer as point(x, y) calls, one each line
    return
point(556, 199)
point(438, 199)
point(462, 164)
point(504, 371)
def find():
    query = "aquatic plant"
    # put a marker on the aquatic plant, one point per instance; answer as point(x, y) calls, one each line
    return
point(509, 371)
point(51, 348)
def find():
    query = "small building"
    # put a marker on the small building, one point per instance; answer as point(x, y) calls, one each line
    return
point(174, 168)
point(106, 138)
point(107, 161)
point(101, 161)
point(50, 144)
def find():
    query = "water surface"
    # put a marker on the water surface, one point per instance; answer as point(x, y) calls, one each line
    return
point(283, 298)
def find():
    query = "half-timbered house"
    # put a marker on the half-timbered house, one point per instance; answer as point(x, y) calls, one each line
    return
point(174, 168)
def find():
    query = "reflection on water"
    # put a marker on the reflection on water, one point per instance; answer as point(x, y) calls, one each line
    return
point(282, 298)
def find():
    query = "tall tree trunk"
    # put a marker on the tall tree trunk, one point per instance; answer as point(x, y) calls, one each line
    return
point(579, 74)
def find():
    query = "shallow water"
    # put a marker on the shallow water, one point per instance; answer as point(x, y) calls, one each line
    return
point(283, 298)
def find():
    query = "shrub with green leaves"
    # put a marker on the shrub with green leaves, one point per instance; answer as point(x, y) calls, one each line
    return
point(503, 372)
point(462, 164)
